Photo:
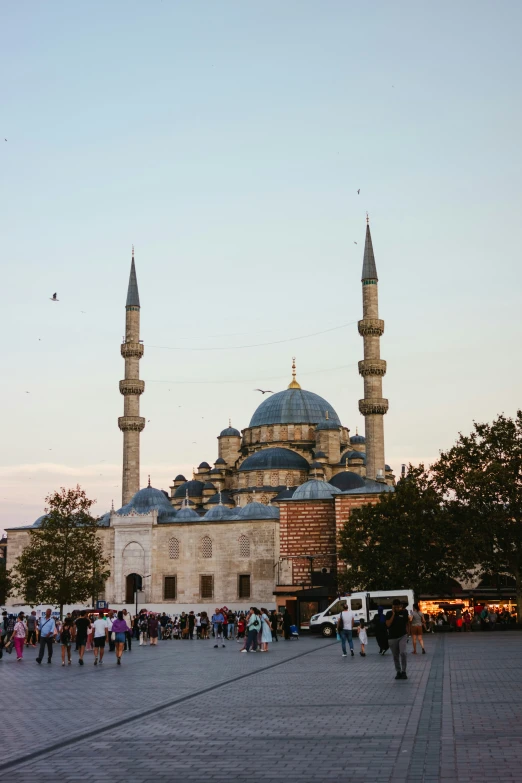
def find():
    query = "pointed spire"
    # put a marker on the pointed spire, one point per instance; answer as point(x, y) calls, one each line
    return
point(369, 270)
point(133, 297)
point(293, 383)
point(149, 481)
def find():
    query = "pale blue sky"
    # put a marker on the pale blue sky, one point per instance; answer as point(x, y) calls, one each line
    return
point(227, 141)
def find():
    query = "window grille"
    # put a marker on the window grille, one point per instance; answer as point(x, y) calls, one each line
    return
point(169, 588)
point(206, 546)
point(244, 546)
point(174, 549)
point(206, 586)
point(244, 586)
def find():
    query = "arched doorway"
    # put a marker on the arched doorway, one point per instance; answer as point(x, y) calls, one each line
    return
point(133, 582)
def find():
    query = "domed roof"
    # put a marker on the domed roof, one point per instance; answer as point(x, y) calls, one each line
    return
point(105, 520)
point(221, 497)
point(320, 454)
point(38, 522)
point(220, 461)
point(230, 432)
point(293, 406)
point(194, 489)
point(316, 464)
point(147, 500)
point(284, 494)
point(351, 454)
point(218, 512)
point(275, 458)
point(387, 467)
point(257, 510)
point(357, 439)
point(203, 465)
point(371, 487)
point(209, 485)
point(187, 514)
point(347, 480)
point(326, 423)
point(180, 478)
point(315, 490)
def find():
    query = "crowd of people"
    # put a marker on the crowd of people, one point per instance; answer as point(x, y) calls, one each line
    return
point(95, 631)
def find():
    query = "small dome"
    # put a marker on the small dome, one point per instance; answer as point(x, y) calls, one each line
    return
point(209, 485)
point(203, 465)
point(387, 467)
point(347, 480)
point(216, 471)
point(320, 454)
point(257, 510)
point(316, 464)
point(147, 500)
point(234, 511)
point(105, 520)
point(357, 439)
point(293, 406)
point(273, 459)
point(218, 512)
point(371, 487)
point(38, 522)
point(187, 514)
point(230, 432)
point(284, 494)
point(194, 489)
point(180, 478)
point(351, 454)
point(328, 423)
point(220, 461)
point(221, 497)
point(315, 490)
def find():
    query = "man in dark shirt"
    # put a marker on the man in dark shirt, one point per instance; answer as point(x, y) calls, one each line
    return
point(398, 622)
point(82, 626)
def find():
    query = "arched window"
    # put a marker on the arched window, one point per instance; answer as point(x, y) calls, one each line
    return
point(244, 546)
point(206, 546)
point(174, 549)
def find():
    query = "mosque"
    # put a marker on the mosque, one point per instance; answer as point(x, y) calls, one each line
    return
point(259, 525)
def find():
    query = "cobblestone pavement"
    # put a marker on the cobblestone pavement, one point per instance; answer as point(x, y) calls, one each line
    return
point(188, 712)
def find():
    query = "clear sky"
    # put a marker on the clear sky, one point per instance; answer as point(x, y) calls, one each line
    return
point(227, 140)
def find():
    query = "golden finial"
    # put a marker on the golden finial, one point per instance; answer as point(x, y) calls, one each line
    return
point(293, 383)
point(326, 415)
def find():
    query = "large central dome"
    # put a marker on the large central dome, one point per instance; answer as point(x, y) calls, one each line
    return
point(293, 406)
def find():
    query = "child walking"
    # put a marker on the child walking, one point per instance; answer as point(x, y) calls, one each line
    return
point(363, 637)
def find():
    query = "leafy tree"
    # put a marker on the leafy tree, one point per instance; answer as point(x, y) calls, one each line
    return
point(481, 476)
point(405, 541)
point(63, 562)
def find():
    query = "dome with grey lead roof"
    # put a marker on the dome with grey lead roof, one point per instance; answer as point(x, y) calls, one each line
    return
point(315, 489)
point(293, 406)
point(230, 432)
point(347, 479)
point(38, 522)
point(147, 500)
point(187, 514)
point(180, 478)
point(320, 454)
point(194, 489)
point(326, 423)
point(257, 510)
point(203, 465)
point(209, 485)
point(218, 512)
point(220, 497)
point(220, 461)
point(284, 494)
point(358, 439)
point(274, 459)
point(316, 464)
point(348, 455)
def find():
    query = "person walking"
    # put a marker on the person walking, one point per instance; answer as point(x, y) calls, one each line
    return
point(287, 622)
point(101, 635)
point(204, 625)
point(153, 630)
point(191, 624)
point(3, 633)
point(32, 624)
point(109, 620)
point(82, 629)
point(231, 616)
point(418, 624)
point(66, 640)
point(345, 626)
point(274, 619)
point(397, 622)
point(128, 639)
point(381, 631)
point(47, 627)
point(217, 622)
point(363, 637)
point(253, 627)
point(143, 626)
point(266, 630)
point(198, 625)
point(119, 629)
point(19, 636)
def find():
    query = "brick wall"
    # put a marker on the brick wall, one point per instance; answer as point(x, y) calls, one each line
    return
point(306, 528)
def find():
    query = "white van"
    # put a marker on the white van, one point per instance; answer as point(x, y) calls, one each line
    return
point(363, 605)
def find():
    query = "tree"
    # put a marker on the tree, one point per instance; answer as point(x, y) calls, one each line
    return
point(5, 581)
point(63, 562)
point(405, 541)
point(481, 476)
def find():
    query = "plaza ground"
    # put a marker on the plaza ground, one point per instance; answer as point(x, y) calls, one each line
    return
point(188, 712)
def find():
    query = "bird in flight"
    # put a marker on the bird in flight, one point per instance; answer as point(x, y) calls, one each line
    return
point(355, 243)
point(54, 298)
point(264, 391)
point(358, 191)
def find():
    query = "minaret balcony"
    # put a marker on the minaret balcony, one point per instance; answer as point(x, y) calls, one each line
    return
point(373, 327)
point(378, 405)
point(131, 423)
point(132, 350)
point(372, 367)
point(132, 386)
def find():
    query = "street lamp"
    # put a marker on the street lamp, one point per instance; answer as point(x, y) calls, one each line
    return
point(136, 587)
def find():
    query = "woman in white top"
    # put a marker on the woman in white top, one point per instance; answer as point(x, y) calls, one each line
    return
point(266, 631)
point(417, 624)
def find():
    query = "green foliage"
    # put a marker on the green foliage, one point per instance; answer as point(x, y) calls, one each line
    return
point(481, 476)
point(63, 563)
point(407, 540)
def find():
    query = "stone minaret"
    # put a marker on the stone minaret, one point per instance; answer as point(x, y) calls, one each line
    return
point(131, 423)
point(372, 368)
